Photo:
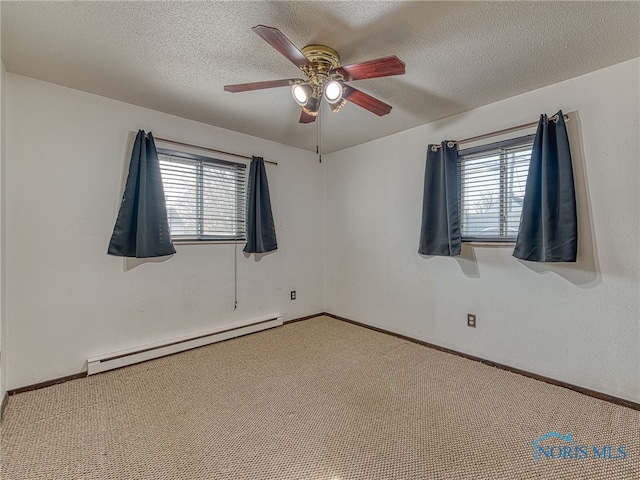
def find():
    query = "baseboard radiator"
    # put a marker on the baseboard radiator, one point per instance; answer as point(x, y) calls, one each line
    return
point(123, 358)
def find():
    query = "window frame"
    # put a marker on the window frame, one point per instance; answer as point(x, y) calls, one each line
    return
point(512, 143)
point(201, 237)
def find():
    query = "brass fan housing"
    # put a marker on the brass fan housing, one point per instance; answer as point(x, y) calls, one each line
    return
point(323, 59)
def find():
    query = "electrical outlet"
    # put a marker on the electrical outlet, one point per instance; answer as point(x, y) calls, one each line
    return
point(471, 320)
point(293, 294)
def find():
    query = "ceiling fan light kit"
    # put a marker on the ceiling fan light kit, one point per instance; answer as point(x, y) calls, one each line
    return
point(301, 93)
point(325, 77)
point(313, 105)
point(333, 91)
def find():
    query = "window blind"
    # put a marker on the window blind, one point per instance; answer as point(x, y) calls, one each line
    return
point(491, 181)
point(205, 197)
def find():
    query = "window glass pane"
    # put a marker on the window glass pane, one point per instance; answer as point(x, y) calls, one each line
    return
point(180, 186)
point(205, 199)
point(220, 202)
point(518, 168)
point(492, 183)
point(480, 195)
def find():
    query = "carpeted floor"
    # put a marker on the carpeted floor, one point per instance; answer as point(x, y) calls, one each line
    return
point(315, 400)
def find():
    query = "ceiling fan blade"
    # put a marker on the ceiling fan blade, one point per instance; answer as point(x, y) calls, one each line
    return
point(246, 87)
point(381, 67)
point(306, 118)
point(281, 43)
point(366, 101)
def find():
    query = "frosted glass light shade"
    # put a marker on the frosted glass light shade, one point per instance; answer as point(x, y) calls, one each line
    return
point(301, 93)
point(333, 92)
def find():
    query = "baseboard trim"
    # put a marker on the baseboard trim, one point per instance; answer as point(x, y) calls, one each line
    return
point(47, 383)
point(3, 405)
point(559, 383)
point(308, 317)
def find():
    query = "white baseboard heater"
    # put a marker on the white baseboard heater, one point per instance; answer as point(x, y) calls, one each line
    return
point(123, 358)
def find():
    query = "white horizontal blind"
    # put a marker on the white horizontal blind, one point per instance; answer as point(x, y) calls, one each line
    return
point(492, 180)
point(205, 197)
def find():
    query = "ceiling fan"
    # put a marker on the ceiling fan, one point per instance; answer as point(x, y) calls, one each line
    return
point(325, 77)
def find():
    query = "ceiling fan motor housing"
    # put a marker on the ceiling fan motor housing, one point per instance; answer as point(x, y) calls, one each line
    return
point(324, 59)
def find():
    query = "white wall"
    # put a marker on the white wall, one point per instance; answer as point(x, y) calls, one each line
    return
point(68, 300)
point(576, 323)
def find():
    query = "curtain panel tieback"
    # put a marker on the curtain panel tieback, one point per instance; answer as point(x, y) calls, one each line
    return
point(549, 225)
point(142, 227)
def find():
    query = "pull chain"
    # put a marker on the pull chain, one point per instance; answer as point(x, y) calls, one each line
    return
point(319, 136)
point(235, 275)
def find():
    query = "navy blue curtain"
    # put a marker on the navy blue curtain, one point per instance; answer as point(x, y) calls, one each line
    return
point(440, 232)
point(549, 225)
point(261, 230)
point(142, 228)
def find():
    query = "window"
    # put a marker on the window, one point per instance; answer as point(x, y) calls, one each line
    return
point(491, 181)
point(205, 196)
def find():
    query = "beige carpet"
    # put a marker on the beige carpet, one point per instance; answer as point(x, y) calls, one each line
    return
point(314, 400)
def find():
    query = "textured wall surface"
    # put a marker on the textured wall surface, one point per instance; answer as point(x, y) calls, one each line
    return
point(576, 323)
point(68, 300)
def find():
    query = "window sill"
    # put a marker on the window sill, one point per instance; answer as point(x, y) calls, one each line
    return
point(478, 243)
point(208, 242)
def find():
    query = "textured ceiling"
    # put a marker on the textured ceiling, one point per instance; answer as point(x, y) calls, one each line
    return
point(176, 57)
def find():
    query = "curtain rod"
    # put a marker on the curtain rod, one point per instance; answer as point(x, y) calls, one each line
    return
point(166, 140)
point(500, 132)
